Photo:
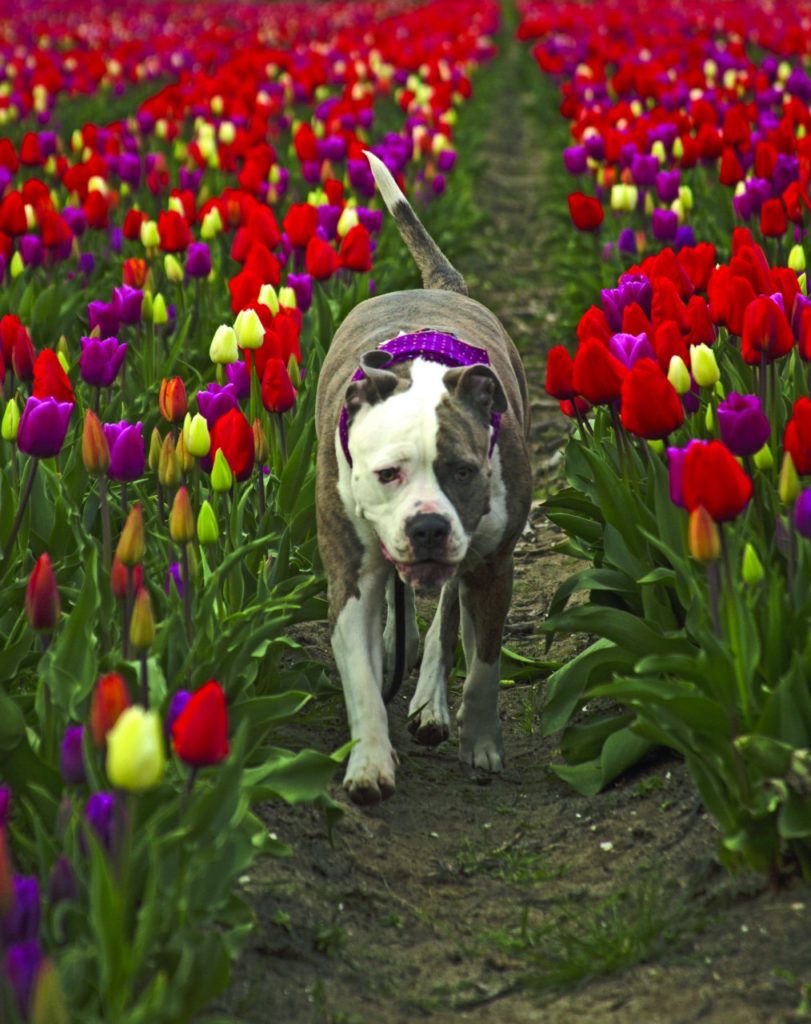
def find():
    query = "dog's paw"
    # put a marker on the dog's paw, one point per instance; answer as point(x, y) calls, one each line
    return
point(480, 744)
point(370, 774)
point(428, 727)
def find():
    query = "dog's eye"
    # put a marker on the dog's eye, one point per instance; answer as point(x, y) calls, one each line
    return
point(388, 475)
point(464, 474)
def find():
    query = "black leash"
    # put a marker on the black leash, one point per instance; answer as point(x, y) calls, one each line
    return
point(399, 641)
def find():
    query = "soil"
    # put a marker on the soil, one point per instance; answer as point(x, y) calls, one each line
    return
point(453, 900)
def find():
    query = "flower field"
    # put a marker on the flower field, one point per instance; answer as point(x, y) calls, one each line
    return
point(186, 215)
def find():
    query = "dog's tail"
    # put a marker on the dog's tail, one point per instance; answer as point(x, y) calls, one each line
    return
point(437, 271)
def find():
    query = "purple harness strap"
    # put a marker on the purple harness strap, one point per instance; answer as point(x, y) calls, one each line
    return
point(436, 347)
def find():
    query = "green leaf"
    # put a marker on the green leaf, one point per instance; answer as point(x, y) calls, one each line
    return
point(621, 750)
point(567, 686)
point(294, 778)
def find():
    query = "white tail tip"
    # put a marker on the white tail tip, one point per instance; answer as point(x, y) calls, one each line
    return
point(385, 182)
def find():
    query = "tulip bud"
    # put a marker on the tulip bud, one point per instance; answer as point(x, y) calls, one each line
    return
point(656, 446)
point(704, 366)
point(764, 459)
point(212, 225)
point(71, 756)
point(173, 269)
point(42, 605)
point(150, 238)
point(287, 298)
point(47, 1000)
point(269, 298)
point(224, 347)
point(147, 306)
point(679, 375)
point(678, 149)
point(703, 536)
point(294, 372)
point(160, 314)
point(95, 450)
point(685, 193)
point(348, 220)
point(181, 519)
point(110, 698)
point(155, 445)
point(131, 546)
point(260, 442)
point(752, 567)
point(169, 466)
point(788, 486)
point(802, 281)
point(136, 757)
point(249, 329)
point(221, 475)
point(709, 419)
point(796, 259)
point(17, 266)
point(142, 623)
point(184, 456)
point(172, 399)
point(208, 531)
point(119, 575)
point(11, 421)
point(199, 438)
point(658, 150)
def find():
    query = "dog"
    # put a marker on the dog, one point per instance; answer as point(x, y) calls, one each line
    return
point(423, 471)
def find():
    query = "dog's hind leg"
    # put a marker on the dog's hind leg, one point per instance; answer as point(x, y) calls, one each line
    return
point(429, 720)
point(485, 601)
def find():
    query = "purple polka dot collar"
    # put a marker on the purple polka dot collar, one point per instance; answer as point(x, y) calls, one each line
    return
point(436, 347)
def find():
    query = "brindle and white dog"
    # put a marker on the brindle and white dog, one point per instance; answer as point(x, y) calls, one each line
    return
point(423, 471)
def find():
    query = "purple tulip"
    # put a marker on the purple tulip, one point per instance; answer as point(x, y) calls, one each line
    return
point(173, 575)
point(633, 288)
point(802, 513)
point(104, 316)
point(664, 224)
point(445, 160)
point(87, 263)
point(21, 921)
point(328, 217)
point(372, 220)
point(23, 962)
point(43, 426)
point(595, 146)
point(101, 360)
point(360, 177)
point(61, 882)
point(31, 250)
point(237, 374)
point(675, 469)
point(101, 812)
point(75, 219)
point(438, 184)
point(644, 169)
point(71, 756)
point(667, 185)
point(629, 348)
point(302, 285)
point(198, 260)
point(685, 236)
point(127, 303)
point(626, 243)
point(574, 159)
point(216, 401)
point(127, 456)
point(5, 805)
point(742, 423)
point(129, 169)
point(176, 705)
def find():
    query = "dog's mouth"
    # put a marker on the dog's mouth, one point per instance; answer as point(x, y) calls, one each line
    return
point(426, 577)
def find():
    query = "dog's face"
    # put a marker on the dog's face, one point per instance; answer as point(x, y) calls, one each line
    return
point(420, 467)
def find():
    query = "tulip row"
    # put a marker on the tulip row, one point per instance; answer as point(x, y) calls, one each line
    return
point(663, 105)
point(689, 394)
point(170, 283)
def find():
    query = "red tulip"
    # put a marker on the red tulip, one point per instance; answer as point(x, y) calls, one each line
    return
point(110, 698)
point(50, 380)
point(244, 289)
point(278, 393)
point(300, 223)
point(261, 262)
point(200, 731)
point(651, 408)
point(597, 375)
point(118, 579)
point(174, 232)
point(586, 211)
point(668, 342)
point(797, 436)
point(320, 260)
point(731, 171)
point(701, 327)
point(172, 400)
point(356, 250)
point(773, 220)
point(766, 332)
point(713, 478)
point(41, 596)
point(804, 334)
point(134, 272)
point(232, 433)
point(559, 369)
point(593, 324)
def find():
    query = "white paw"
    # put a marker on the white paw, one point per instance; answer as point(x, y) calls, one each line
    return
point(480, 744)
point(429, 725)
point(370, 773)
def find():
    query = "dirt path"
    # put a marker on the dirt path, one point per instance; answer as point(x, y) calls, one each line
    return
point(456, 901)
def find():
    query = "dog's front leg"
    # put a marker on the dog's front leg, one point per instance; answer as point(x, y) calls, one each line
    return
point(485, 601)
point(357, 643)
point(429, 721)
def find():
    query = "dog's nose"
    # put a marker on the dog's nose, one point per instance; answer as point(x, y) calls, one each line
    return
point(428, 533)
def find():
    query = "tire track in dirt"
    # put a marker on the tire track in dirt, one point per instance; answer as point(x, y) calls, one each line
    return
point(397, 918)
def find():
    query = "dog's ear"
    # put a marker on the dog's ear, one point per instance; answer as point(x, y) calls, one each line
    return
point(478, 386)
point(376, 384)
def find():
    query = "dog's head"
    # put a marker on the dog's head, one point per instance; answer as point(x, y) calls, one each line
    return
point(419, 440)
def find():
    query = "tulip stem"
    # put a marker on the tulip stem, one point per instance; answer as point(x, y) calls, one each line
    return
point(144, 677)
point(282, 437)
point(791, 560)
point(714, 587)
point(125, 633)
point(106, 535)
point(260, 490)
point(22, 504)
point(186, 792)
point(184, 568)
